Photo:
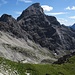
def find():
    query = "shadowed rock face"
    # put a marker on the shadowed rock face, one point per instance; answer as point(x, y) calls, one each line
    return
point(64, 59)
point(46, 30)
point(40, 28)
point(9, 24)
point(7, 18)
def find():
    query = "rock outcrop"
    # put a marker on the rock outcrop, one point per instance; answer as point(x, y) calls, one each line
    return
point(40, 28)
point(9, 24)
point(46, 30)
point(64, 59)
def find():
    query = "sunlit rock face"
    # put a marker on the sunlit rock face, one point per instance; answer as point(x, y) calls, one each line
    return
point(46, 30)
point(34, 37)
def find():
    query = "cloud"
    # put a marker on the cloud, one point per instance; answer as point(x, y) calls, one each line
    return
point(18, 12)
point(56, 13)
point(70, 8)
point(64, 21)
point(47, 8)
point(67, 22)
point(72, 17)
point(25, 1)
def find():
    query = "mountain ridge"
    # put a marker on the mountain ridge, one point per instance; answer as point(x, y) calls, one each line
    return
point(48, 27)
point(41, 29)
point(73, 26)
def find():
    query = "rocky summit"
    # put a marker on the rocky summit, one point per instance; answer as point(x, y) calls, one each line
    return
point(46, 30)
point(34, 37)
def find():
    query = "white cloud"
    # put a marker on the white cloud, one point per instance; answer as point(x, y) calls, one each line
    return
point(72, 17)
point(25, 1)
point(65, 21)
point(47, 8)
point(73, 8)
point(62, 20)
point(18, 12)
point(70, 8)
point(57, 13)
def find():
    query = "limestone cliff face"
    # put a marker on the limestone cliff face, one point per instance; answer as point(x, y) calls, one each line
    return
point(41, 29)
point(46, 30)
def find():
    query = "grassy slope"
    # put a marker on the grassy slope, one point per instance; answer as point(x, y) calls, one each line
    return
point(43, 69)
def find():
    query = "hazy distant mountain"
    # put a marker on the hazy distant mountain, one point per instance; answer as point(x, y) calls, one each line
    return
point(73, 26)
point(34, 37)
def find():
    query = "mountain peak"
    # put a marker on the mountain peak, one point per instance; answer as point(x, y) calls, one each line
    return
point(7, 18)
point(6, 15)
point(36, 4)
point(34, 9)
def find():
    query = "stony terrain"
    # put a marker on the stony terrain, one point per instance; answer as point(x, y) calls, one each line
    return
point(33, 41)
point(17, 49)
point(46, 30)
point(34, 37)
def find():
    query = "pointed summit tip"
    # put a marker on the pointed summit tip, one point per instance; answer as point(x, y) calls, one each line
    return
point(36, 4)
point(34, 9)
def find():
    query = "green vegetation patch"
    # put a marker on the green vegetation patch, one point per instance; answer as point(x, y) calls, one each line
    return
point(42, 69)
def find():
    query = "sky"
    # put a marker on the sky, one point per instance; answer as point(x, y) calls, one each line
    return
point(63, 10)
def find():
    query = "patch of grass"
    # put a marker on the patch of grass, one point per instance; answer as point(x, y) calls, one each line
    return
point(71, 60)
point(42, 69)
